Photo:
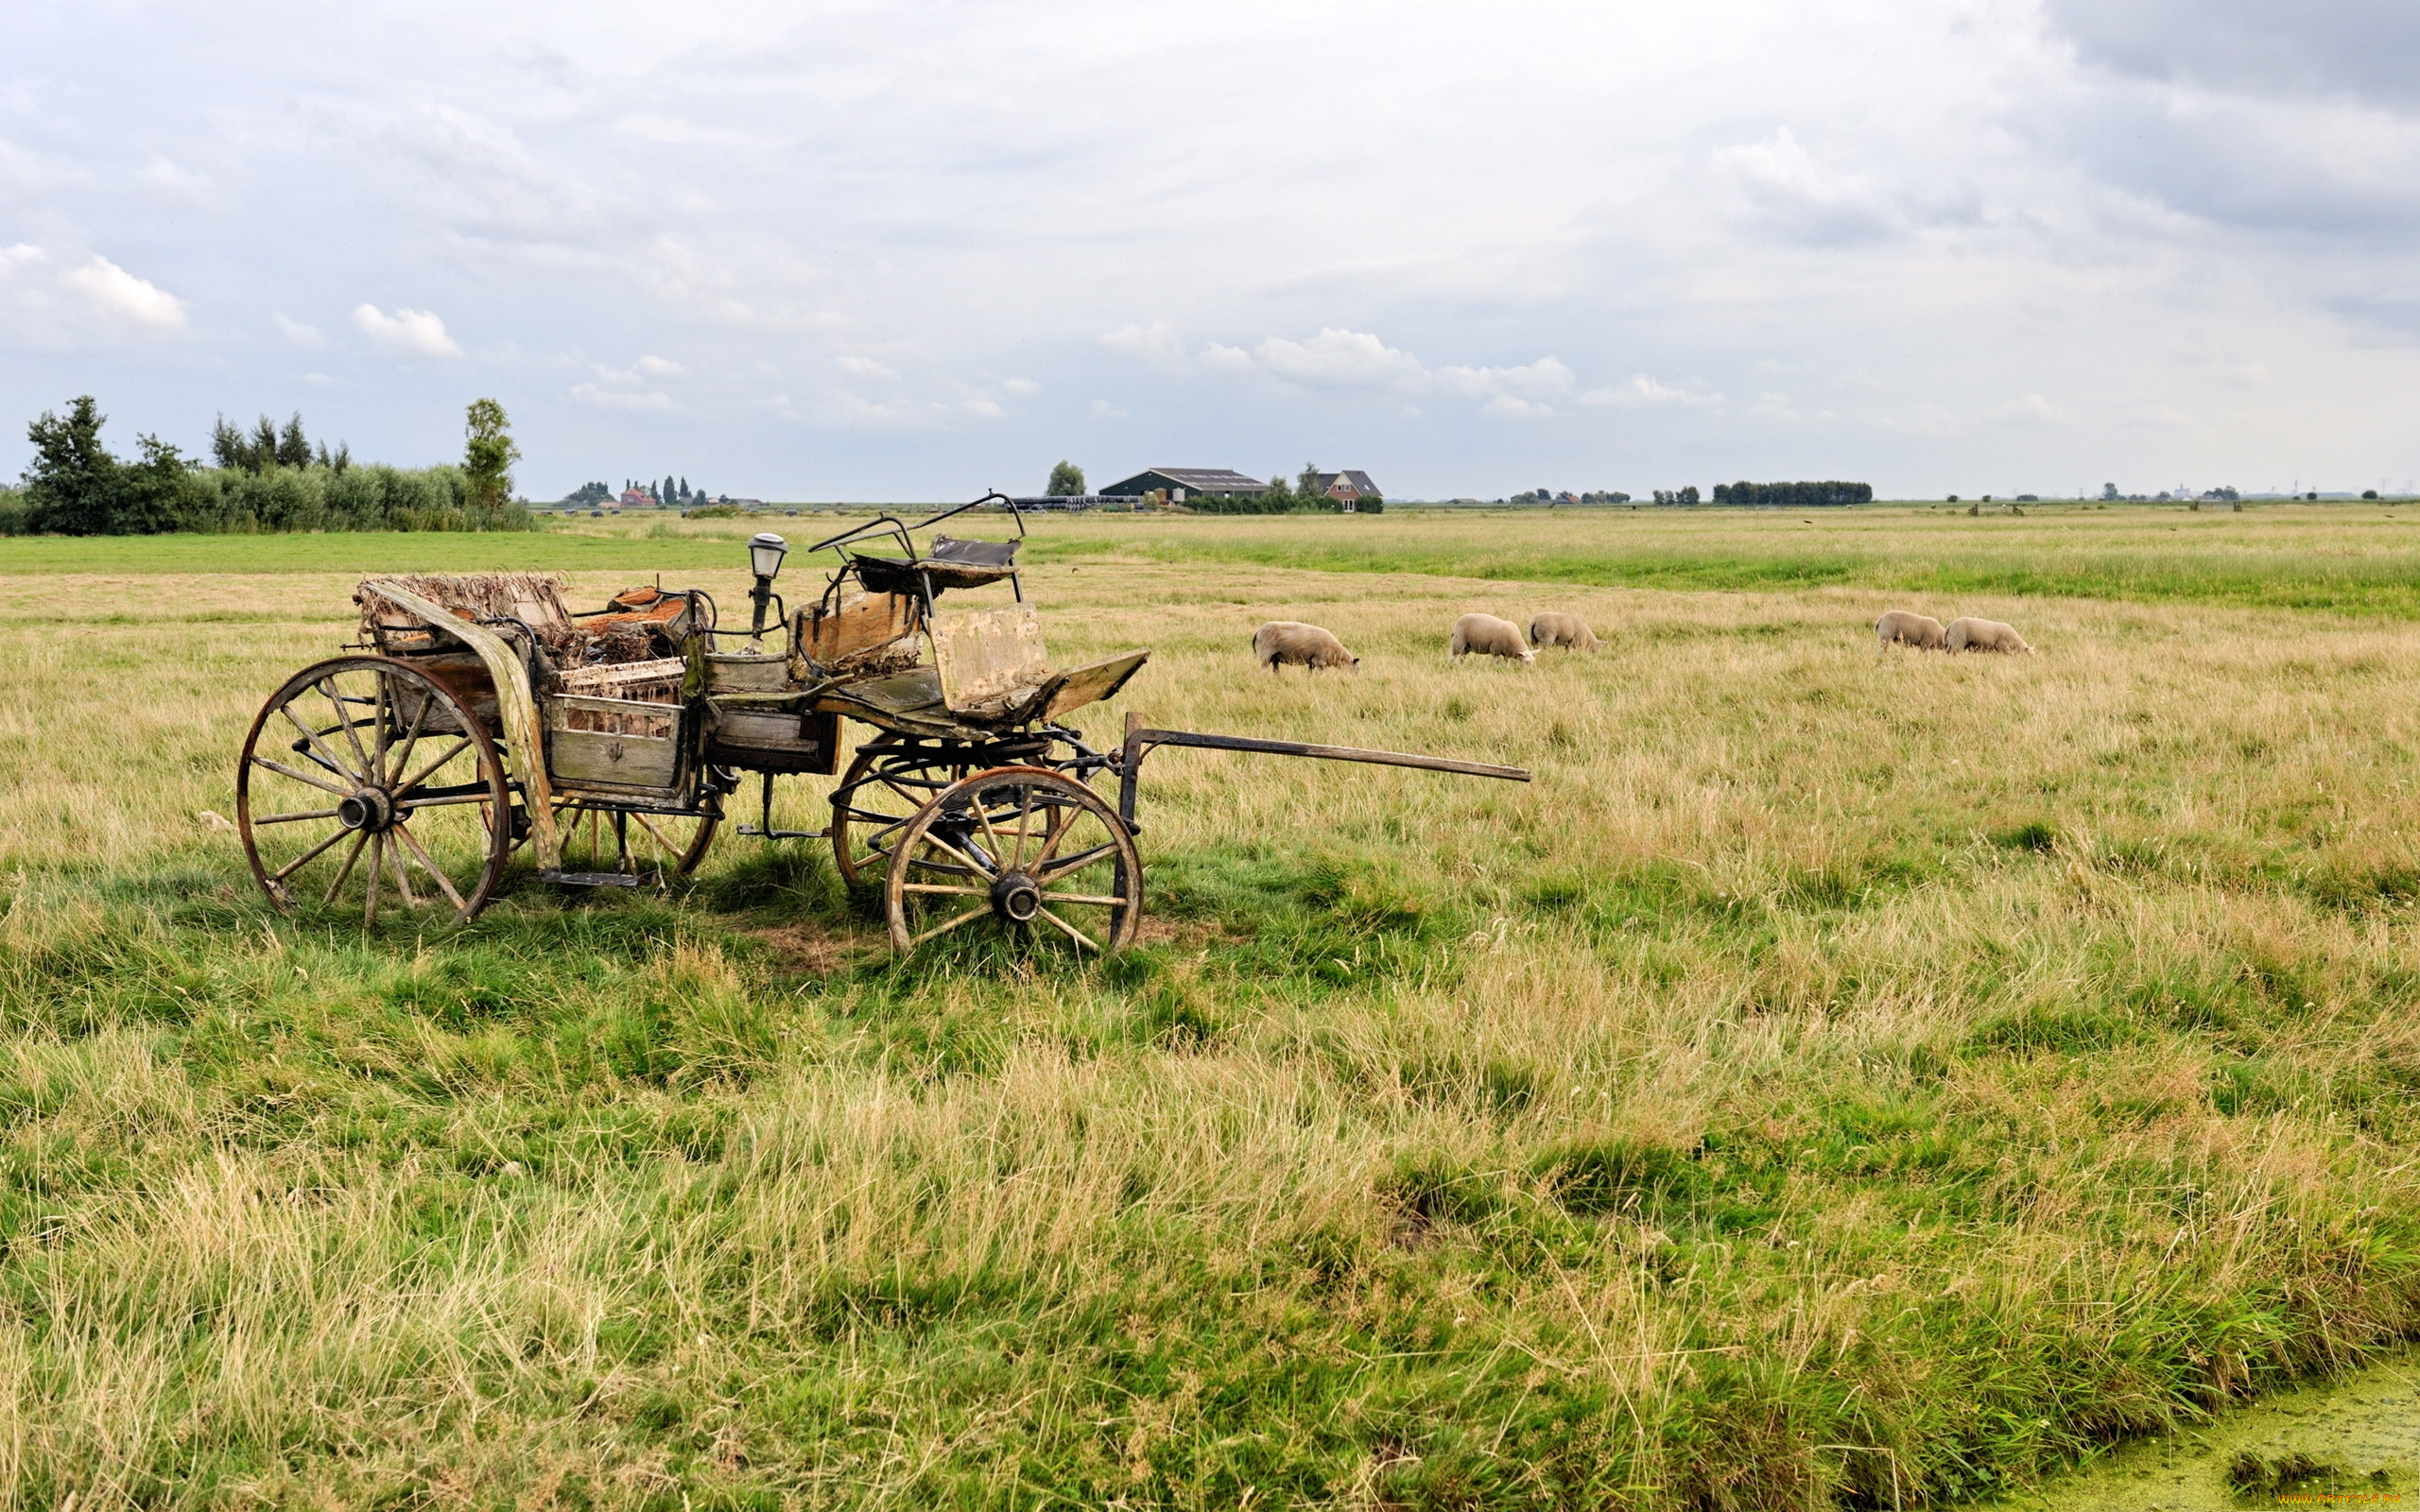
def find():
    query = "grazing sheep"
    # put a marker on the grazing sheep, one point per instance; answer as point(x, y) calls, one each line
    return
point(1489, 636)
point(1985, 635)
point(1281, 642)
point(1904, 626)
point(1560, 629)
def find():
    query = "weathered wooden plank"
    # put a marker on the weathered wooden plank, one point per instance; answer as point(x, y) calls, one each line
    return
point(858, 623)
point(988, 659)
point(583, 756)
point(516, 710)
point(1091, 684)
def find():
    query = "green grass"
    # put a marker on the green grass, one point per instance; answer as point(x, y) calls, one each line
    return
point(1837, 1081)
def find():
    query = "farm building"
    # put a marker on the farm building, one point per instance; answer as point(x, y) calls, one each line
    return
point(1182, 482)
point(1349, 487)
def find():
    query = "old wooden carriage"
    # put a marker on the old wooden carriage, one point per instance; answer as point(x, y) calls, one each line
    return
point(479, 716)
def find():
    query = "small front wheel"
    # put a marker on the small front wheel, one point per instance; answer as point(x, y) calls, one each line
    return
point(1021, 851)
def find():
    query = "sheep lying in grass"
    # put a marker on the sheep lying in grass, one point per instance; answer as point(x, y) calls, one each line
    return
point(1904, 626)
point(1486, 635)
point(1282, 642)
point(1551, 628)
point(1985, 635)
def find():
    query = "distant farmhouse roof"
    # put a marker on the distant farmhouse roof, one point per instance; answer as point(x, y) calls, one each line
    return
point(1350, 484)
point(1191, 479)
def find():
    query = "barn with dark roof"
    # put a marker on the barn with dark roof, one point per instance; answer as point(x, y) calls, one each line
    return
point(1192, 480)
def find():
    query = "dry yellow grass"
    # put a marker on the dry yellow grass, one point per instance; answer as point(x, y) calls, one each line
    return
point(1837, 1078)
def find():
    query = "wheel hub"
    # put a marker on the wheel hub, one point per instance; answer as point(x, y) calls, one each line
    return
point(367, 809)
point(1016, 897)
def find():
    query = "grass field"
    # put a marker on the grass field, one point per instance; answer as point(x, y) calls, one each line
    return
point(1839, 1080)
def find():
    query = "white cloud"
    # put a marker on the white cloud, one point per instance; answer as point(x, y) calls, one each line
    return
point(868, 368)
point(1103, 409)
point(1345, 361)
point(603, 398)
point(1963, 202)
point(1340, 359)
point(656, 368)
point(295, 331)
point(1643, 393)
point(1157, 343)
point(1021, 388)
point(118, 295)
point(419, 332)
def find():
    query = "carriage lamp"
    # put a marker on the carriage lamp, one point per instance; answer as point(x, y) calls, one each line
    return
point(765, 552)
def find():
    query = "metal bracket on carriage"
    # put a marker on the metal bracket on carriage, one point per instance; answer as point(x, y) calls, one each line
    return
point(592, 879)
point(1140, 740)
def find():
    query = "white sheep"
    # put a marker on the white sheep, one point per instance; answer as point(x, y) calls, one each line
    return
point(1985, 635)
point(1904, 626)
point(1291, 643)
point(1486, 635)
point(1553, 628)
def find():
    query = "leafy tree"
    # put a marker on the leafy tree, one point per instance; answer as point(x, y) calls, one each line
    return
point(1066, 481)
point(152, 490)
point(292, 450)
point(684, 488)
point(1280, 490)
point(226, 446)
point(1307, 484)
point(73, 485)
point(488, 455)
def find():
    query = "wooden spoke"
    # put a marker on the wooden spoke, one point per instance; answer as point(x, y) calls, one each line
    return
point(940, 844)
point(305, 778)
point(395, 862)
point(935, 886)
point(429, 770)
point(1025, 812)
point(352, 736)
point(1084, 897)
point(1073, 933)
point(290, 818)
point(306, 857)
point(402, 751)
point(968, 917)
point(428, 865)
point(1074, 863)
point(370, 880)
point(311, 737)
point(351, 856)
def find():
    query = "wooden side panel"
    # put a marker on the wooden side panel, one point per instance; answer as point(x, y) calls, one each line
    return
point(771, 741)
point(743, 672)
point(582, 758)
point(860, 623)
point(989, 659)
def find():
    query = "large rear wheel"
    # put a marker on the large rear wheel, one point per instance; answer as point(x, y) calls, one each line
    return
point(1020, 851)
point(366, 782)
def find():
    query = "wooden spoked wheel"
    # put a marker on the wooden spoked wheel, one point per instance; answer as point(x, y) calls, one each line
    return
point(882, 790)
point(366, 782)
point(1020, 850)
point(602, 839)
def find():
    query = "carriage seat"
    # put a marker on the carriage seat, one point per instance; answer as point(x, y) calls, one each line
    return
point(950, 563)
point(992, 668)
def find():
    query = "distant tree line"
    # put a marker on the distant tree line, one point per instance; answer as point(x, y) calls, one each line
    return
point(1800, 495)
point(1684, 496)
point(269, 478)
point(673, 491)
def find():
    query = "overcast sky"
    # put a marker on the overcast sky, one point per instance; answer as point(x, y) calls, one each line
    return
point(911, 250)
